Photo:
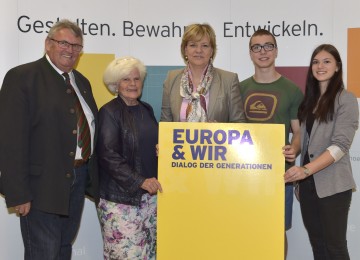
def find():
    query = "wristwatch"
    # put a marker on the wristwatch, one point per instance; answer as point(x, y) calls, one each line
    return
point(306, 171)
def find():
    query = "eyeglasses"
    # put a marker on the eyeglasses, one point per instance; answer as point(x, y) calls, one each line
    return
point(65, 45)
point(267, 47)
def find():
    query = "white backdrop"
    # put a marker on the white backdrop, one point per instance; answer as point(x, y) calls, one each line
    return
point(300, 26)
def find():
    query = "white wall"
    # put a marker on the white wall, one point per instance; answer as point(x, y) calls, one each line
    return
point(331, 18)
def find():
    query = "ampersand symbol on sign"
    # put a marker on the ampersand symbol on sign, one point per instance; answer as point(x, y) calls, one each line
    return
point(178, 154)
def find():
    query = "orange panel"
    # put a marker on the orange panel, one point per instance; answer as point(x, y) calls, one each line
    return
point(353, 81)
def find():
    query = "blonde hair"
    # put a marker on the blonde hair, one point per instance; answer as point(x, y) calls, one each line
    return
point(121, 68)
point(195, 32)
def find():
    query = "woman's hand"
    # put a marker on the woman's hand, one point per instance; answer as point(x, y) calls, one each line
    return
point(151, 185)
point(295, 173)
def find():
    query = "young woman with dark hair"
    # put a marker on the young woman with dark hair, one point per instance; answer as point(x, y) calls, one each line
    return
point(329, 117)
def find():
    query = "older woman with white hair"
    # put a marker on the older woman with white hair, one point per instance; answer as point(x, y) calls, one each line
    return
point(126, 144)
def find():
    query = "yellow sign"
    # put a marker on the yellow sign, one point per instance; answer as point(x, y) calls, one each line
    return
point(223, 191)
point(93, 66)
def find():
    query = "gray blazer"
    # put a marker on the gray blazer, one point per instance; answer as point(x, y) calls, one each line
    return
point(337, 177)
point(225, 104)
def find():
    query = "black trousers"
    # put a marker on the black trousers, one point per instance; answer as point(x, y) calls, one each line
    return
point(325, 220)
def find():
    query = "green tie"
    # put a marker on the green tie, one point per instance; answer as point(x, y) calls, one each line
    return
point(84, 138)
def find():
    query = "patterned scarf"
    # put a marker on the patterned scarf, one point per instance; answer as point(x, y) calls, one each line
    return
point(196, 110)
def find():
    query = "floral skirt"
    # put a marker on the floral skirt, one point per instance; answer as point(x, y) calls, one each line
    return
point(129, 232)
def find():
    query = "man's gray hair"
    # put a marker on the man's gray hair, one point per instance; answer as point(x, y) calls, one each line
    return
point(66, 24)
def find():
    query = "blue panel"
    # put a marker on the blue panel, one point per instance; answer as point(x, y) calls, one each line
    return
point(153, 86)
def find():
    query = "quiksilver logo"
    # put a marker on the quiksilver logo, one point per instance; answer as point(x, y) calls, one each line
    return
point(258, 107)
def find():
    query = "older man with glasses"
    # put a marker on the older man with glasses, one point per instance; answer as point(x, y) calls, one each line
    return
point(48, 117)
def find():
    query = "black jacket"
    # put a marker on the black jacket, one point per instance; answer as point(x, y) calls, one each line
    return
point(118, 153)
point(37, 140)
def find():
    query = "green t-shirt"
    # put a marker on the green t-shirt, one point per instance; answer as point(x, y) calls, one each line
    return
point(271, 103)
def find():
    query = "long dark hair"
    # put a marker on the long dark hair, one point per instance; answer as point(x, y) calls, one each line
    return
point(325, 104)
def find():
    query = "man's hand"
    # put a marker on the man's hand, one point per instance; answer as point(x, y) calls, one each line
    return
point(289, 153)
point(23, 209)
